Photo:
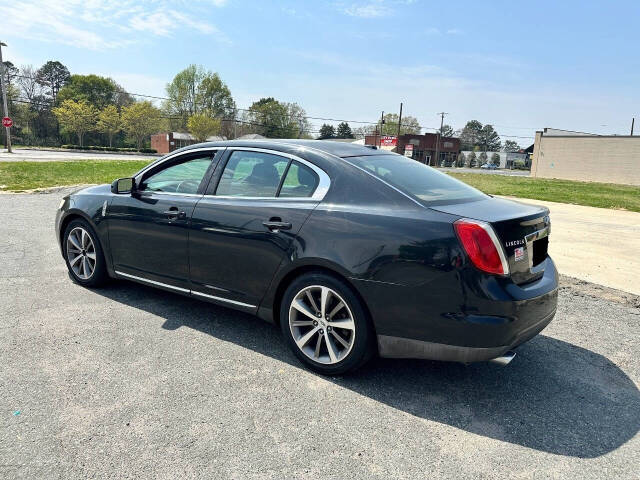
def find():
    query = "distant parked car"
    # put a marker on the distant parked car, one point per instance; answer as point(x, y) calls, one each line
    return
point(351, 251)
point(489, 166)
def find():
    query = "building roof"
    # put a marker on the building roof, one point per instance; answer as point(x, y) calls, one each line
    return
point(552, 132)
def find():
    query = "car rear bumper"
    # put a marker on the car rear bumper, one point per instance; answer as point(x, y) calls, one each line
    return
point(398, 347)
point(461, 318)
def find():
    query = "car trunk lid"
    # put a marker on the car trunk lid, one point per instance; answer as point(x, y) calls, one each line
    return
point(522, 229)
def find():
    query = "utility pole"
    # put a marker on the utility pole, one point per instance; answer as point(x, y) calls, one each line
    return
point(4, 96)
point(442, 114)
point(381, 126)
point(399, 120)
point(633, 120)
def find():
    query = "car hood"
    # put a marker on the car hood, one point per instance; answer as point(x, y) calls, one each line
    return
point(93, 190)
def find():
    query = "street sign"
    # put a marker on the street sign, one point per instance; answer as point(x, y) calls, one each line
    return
point(408, 150)
point(7, 122)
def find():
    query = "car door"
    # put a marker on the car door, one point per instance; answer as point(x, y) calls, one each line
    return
point(245, 224)
point(149, 229)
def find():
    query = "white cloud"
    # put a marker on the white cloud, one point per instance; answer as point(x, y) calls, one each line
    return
point(101, 24)
point(372, 9)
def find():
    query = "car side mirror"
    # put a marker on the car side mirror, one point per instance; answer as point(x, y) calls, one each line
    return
point(123, 185)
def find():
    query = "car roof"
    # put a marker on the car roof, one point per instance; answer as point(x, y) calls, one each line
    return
point(339, 149)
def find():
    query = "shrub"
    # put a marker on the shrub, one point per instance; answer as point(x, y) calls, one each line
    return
point(148, 150)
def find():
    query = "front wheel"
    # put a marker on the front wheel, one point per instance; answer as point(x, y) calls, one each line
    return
point(325, 324)
point(83, 254)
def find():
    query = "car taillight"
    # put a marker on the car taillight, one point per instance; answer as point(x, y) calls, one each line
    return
point(481, 244)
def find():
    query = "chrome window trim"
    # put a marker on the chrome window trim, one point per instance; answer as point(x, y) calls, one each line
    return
point(184, 290)
point(171, 156)
point(324, 182)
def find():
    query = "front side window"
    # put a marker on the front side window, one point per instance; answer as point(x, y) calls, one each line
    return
point(252, 174)
point(184, 177)
point(418, 180)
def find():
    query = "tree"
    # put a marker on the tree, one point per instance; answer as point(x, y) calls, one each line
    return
point(390, 127)
point(489, 140)
point(344, 130)
point(109, 122)
point(298, 116)
point(274, 119)
point(461, 159)
point(471, 160)
point(196, 90)
point(495, 159)
point(94, 89)
point(511, 146)
point(140, 120)
point(10, 71)
point(470, 134)
point(482, 159)
point(327, 131)
point(53, 75)
point(361, 132)
point(447, 131)
point(28, 83)
point(202, 126)
point(76, 117)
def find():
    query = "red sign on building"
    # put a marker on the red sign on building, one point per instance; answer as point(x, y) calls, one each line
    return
point(388, 141)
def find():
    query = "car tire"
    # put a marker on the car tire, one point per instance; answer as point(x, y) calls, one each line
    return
point(83, 254)
point(341, 341)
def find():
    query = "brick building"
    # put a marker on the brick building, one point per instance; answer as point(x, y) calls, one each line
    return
point(424, 148)
point(168, 142)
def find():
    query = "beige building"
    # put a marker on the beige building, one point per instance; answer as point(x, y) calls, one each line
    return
point(586, 157)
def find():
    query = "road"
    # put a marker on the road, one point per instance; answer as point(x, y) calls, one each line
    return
point(131, 382)
point(33, 155)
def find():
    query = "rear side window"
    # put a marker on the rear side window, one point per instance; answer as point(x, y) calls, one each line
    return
point(416, 179)
point(300, 181)
point(252, 174)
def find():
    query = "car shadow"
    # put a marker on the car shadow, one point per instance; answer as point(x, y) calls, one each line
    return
point(554, 397)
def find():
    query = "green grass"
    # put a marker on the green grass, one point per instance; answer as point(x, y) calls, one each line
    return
point(20, 176)
point(605, 195)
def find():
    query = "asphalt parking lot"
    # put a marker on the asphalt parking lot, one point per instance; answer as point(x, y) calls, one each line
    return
point(132, 382)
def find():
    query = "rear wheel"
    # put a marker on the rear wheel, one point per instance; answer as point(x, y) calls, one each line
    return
point(325, 324)
point(83, 254)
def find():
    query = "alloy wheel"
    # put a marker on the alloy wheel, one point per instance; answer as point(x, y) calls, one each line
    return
point(81, 253)
point(322, 324)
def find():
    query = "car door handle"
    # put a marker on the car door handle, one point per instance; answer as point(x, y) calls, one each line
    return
point(275, 224)
point(175, 213)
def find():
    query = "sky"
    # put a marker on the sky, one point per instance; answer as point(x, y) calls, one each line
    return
point(520, 66)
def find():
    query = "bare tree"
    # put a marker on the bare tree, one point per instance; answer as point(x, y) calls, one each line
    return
point(31, 89)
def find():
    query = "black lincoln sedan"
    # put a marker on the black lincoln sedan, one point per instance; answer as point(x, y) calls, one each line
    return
point(352, 251)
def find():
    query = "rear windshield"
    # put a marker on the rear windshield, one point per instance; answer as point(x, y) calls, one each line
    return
point(424, 183)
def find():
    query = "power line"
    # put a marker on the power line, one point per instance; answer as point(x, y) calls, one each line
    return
point(306, 117)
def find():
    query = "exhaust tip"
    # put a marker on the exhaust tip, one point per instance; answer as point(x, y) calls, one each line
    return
point(504, 359)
